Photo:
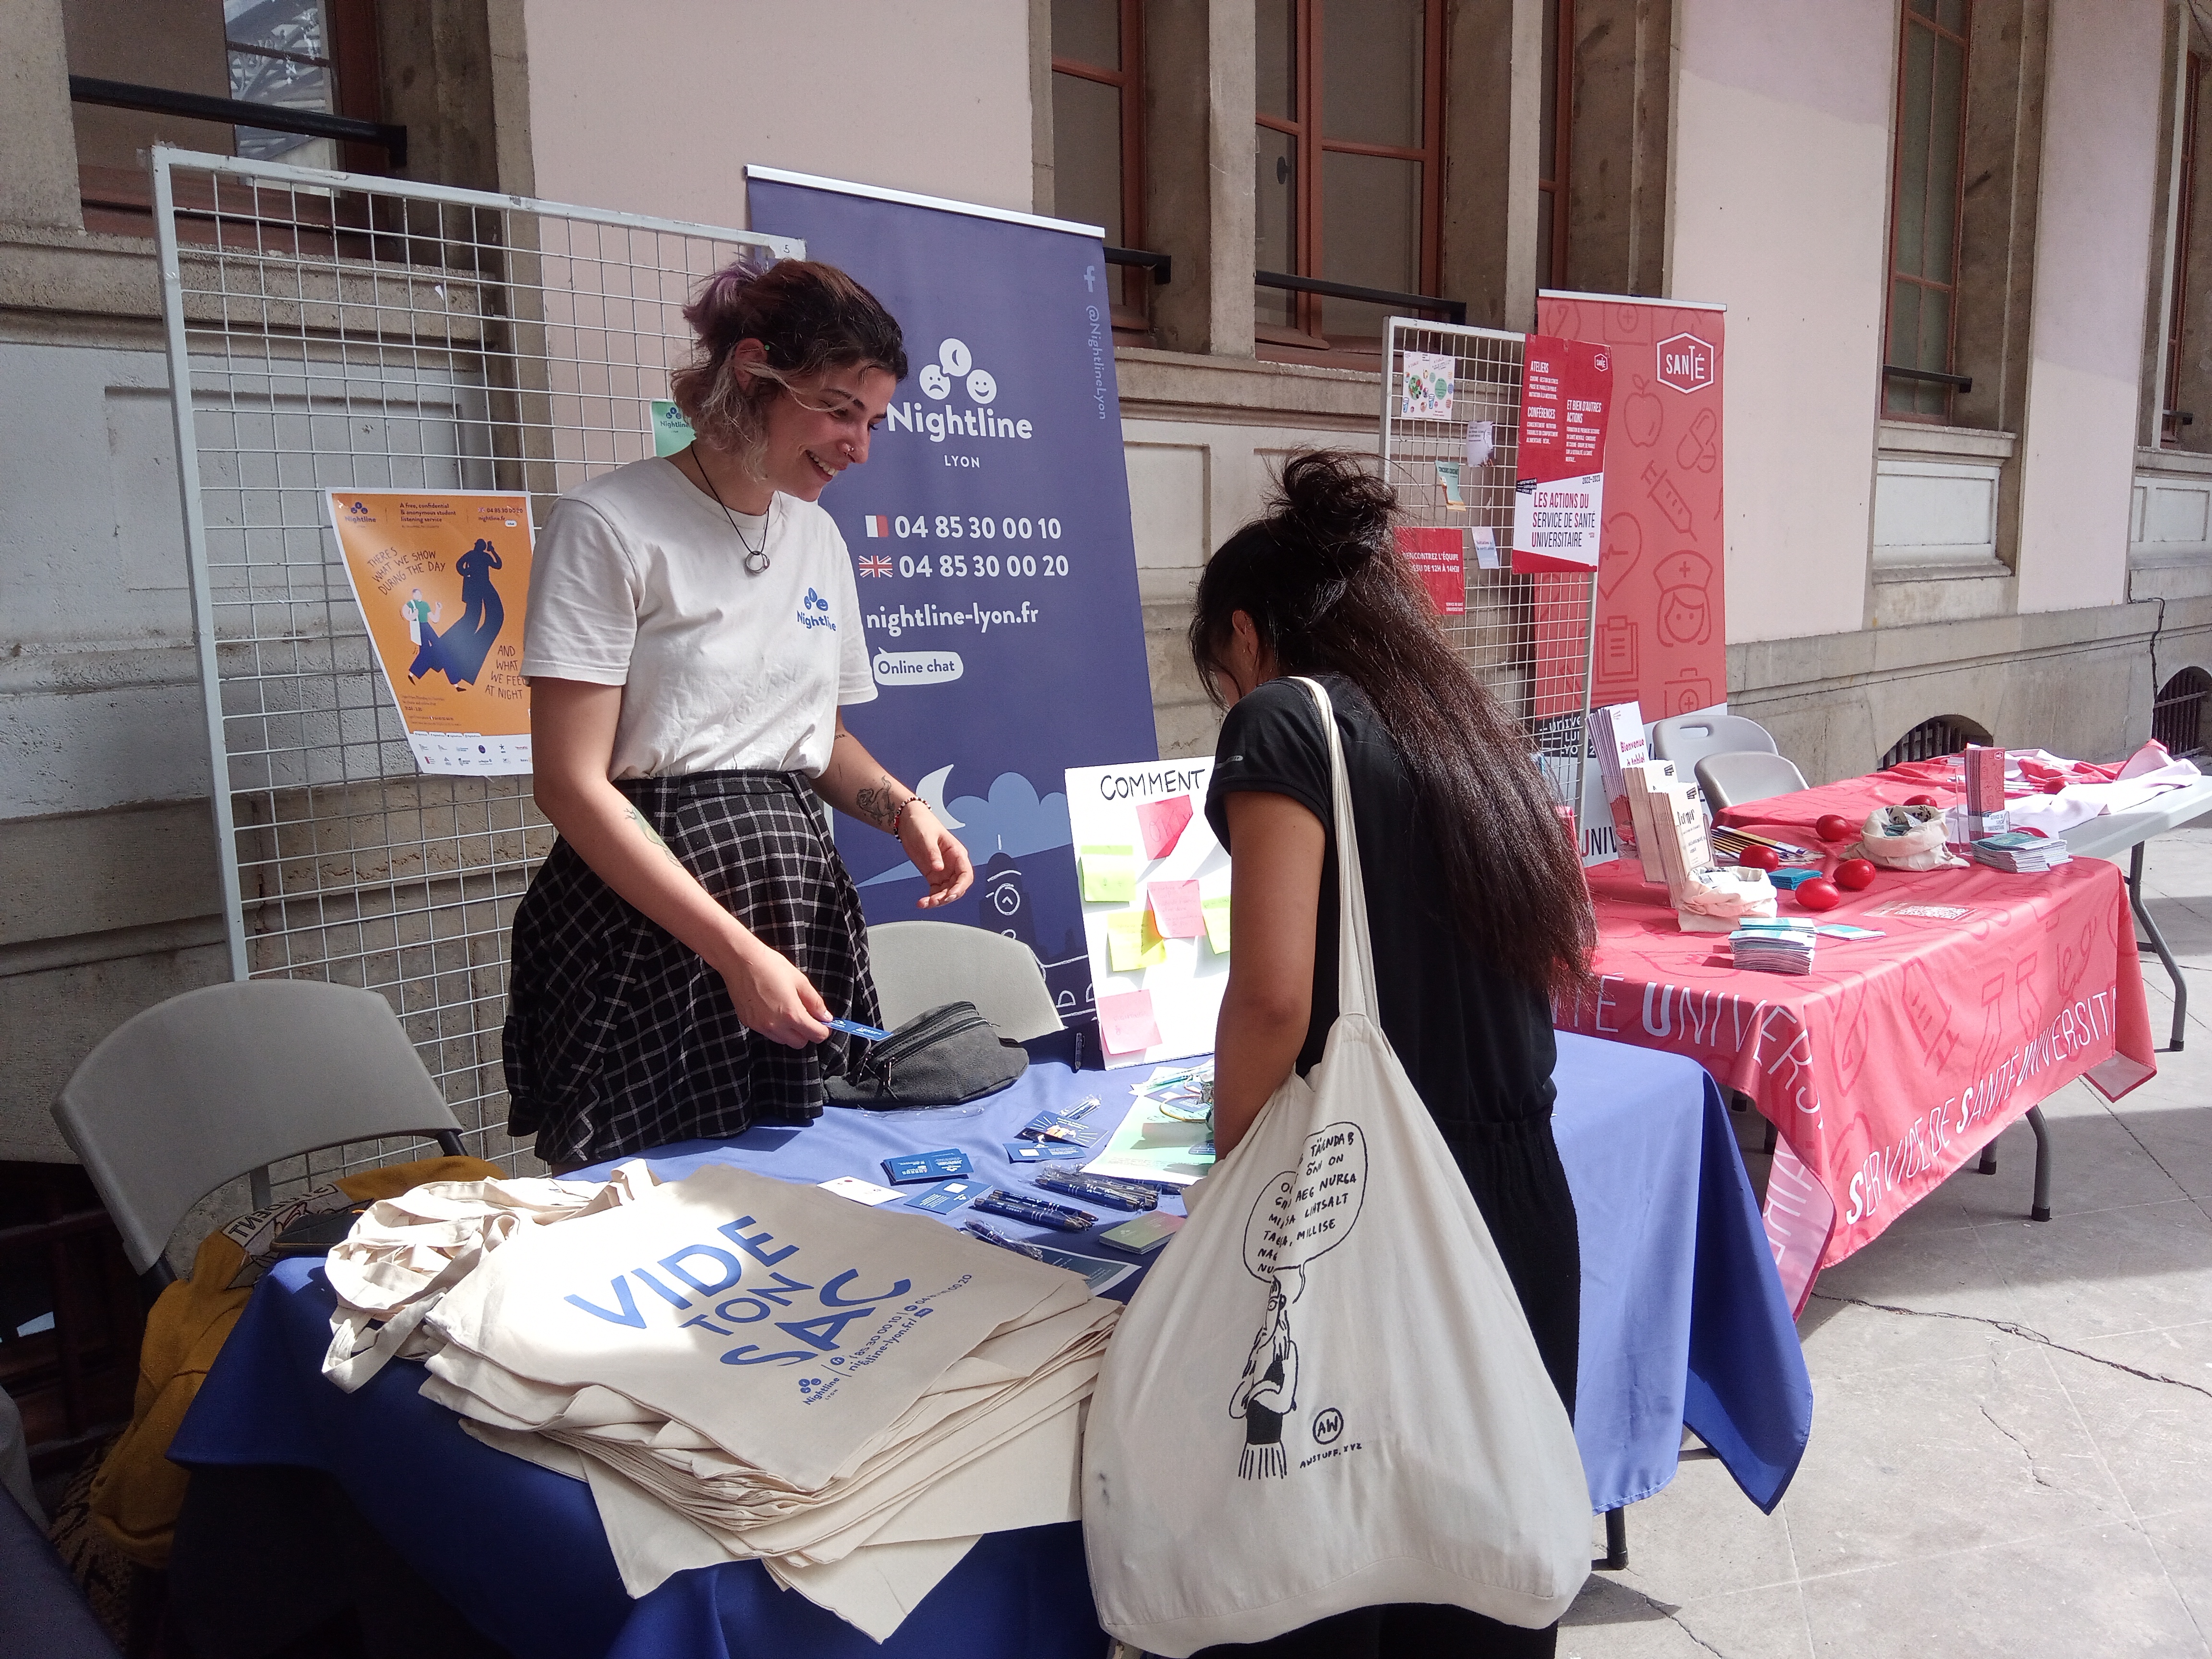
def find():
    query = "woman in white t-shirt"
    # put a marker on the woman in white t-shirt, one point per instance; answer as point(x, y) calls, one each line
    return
point(693, 631)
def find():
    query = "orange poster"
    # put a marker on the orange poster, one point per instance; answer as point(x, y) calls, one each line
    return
point(442, 578)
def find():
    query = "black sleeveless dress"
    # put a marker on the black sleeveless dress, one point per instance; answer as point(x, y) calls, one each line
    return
point(1479, 1050)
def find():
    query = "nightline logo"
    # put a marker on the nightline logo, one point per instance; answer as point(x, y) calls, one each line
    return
point(814, 601)
point(955, 364)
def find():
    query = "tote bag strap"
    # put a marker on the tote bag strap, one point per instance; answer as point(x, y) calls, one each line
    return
point(1355, 945)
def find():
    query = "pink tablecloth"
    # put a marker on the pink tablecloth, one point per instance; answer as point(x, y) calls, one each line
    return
point(1896, 1059)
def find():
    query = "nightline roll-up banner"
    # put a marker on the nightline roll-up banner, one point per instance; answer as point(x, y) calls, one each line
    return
point(991, 545)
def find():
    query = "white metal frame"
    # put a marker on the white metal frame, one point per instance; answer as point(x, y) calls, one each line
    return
point(1530, 638)
point(332, 330)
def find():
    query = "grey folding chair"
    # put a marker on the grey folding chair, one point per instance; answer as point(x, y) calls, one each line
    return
point(920, 964)
point(224, 1081)
point(1685, 739)
point(1733, 778)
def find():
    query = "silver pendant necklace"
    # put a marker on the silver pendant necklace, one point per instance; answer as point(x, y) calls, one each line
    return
point(756, 559)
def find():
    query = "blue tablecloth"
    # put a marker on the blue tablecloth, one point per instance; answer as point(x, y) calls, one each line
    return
point(1683, 1321)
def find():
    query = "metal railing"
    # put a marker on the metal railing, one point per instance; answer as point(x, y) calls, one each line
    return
point(1452, 311)
point(1932, 376)
point(237, 112)
point(1162, 265)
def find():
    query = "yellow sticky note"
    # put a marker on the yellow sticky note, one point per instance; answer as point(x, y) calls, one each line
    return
point(1216, 925)
point(1109, 875)
point(1132, 946)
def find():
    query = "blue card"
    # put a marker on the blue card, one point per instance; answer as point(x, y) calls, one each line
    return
point(947, 1196)
point(1043, 1152)
point(854, 1028)
point(927, 1166)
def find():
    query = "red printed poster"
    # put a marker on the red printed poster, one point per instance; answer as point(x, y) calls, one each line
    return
point(1558, 492)
point(1438, 557)
point(1661, 633)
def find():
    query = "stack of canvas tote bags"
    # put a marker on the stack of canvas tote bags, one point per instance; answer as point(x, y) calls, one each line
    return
point(742, 1367)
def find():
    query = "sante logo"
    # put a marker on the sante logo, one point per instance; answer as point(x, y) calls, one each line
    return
point(1685, 363)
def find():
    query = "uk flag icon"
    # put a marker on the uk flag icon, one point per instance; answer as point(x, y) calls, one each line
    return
point(876, 524)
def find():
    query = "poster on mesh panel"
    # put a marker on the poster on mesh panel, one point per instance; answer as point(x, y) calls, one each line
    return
point(1155, 888)
point(442, 578)
point(992, 550)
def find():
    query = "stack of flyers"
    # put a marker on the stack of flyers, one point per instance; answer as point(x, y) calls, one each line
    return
point(2021, 852)
point(1781, 946)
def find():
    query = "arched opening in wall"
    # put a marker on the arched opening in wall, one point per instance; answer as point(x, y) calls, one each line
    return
point(2177, 713)
point(1943, 734)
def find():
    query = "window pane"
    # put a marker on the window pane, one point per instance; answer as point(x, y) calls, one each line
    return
point(1087, 153)
point(1943, 160)
point(1371, 216)
point(1951, 15)
point(1370, 70)
point(1545, 277)
point(1904, 326)
point(1087, 31)
point(1909, 238)
point(1547, 126)
point(293, 25)
point(1935, 331)
point(1275, 219)
point(272, 44)
point(1275, 91)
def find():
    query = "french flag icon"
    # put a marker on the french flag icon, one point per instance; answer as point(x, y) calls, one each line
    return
point(876, 524)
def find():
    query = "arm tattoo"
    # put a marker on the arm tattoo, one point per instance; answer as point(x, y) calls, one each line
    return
point(879, 806)
point(653, 836)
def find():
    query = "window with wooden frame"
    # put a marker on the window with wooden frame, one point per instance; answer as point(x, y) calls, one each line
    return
point(304, 55)
point(1097, 134)
point(1924, 210)
point(2180, 389)
point(1555, 143)
point(1349, 97)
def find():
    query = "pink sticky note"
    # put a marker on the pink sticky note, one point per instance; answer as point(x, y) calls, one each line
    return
point(1161, 825)
point(1176, 910)
point(1125, 1023)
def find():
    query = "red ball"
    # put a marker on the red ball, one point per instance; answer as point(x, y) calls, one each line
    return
point(1819, 894)
point(1856, 874)
point(1755, 856)
point(1920, 800)
point(1833, 826)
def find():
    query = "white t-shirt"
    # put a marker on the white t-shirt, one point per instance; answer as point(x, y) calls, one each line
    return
point(639, 580)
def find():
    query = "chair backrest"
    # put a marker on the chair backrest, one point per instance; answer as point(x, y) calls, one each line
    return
point(1747, 774)
point(216, 1083)
point(921, 964)
point(1685, 739)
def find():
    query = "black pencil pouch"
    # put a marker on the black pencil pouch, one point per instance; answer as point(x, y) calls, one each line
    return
point(946, 1056)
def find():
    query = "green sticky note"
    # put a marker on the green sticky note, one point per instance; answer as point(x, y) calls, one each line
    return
point(1109, 875)
point(1216, 925)
point(1132, 946)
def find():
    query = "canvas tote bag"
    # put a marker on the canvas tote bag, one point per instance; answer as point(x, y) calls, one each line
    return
point(1325, 1396)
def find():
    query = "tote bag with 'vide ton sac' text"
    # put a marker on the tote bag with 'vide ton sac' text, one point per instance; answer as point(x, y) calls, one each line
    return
point(1326, 1396)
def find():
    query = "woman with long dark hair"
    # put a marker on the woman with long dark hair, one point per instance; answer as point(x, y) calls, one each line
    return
point(1474, 895)
point(693, 632)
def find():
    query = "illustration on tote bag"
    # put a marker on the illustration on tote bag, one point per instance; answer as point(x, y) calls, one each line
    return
point(1300, 1214)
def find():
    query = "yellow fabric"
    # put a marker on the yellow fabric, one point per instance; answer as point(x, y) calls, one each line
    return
point(137, 1492)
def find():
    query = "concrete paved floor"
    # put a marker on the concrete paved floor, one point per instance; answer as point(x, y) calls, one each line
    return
point(2012, 1421)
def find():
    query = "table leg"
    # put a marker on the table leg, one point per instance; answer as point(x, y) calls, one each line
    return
point(2041, 1210)
point(2158, 944)
point(1615, 1558)
point(1989, 1163)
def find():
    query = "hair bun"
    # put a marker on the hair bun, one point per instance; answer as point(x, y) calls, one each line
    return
point(1333, 511)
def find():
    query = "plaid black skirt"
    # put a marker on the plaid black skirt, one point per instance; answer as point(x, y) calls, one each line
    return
point(619, 1036)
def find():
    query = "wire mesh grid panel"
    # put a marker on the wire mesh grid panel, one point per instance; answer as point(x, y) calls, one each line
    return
point(1527, 635)
point(339, 332)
